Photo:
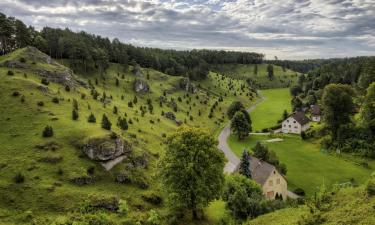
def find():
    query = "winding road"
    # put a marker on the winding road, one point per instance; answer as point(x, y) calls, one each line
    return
point(233, 160)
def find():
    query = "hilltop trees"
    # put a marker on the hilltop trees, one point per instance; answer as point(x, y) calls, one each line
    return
point(368, 111)
point(337, 102)
point(192, 170)
point(368, 74)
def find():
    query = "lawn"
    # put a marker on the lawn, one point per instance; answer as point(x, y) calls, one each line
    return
point(308, 167)
point(268, 112)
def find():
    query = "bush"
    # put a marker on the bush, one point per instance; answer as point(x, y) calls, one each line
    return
point(75, 114)
point(303, 135)
point(48, 131)
point(106, 124)
point(67, 88)
point(45, 81)
point(10, 73)
point(40, 103)
point(152, 198)
point(15, 94)
point(55, 100)
point(299, 191)
point(19, 178)
point(22, 60)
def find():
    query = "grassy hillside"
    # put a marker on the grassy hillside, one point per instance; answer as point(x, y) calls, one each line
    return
point(349, 206)
point(309, 167)
point(282, 78)
point(49, 164)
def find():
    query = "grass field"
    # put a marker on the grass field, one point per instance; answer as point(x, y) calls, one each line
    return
point(307, 166)
point(240, 71)
point(268, 112)
point(48, 193)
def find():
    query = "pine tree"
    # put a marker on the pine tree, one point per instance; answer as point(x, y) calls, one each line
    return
point(106, 124)
point(122, 123)
point(75, 104)
point(115, 110)
point(91, 118)
point(75, 114)
point(245, 164)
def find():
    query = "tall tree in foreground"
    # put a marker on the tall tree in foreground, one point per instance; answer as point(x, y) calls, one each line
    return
point(240, 125)
point(245, 164)
point(192, 170)
point(337, 102)
point(233, 108)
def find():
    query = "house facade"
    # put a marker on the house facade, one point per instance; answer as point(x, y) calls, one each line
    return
point(315, 113)
point(270, 180)
point(296, 123)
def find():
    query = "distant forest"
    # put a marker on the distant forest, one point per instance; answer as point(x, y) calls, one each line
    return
point(84, 50)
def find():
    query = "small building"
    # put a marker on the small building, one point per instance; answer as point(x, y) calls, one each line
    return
point(267, 176)
point(315, 113)
point(296, 123)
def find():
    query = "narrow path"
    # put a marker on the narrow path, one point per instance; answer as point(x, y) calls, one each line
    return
point(233, 160)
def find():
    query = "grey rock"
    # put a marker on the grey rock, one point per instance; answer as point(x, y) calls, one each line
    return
point(141, 86)
point(104, 149)
point(187, 85)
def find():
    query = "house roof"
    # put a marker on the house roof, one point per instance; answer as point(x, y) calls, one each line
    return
point(300, 117)
point(260, 170)
point(315, 110)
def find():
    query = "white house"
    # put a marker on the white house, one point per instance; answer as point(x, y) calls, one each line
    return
point(270, 180)
point(315, 113)
point(296, 123)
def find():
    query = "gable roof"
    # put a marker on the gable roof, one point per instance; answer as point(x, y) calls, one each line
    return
point(300, 117)
point(315, 110)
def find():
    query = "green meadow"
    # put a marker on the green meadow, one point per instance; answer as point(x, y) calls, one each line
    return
point(308, 166)
point(270, 110)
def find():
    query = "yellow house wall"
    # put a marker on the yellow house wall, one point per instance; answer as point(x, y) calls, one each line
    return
point(281, 188)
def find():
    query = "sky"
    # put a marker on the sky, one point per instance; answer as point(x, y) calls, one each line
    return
point(288, 29)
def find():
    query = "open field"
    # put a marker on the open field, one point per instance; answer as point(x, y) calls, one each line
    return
point(268, 112)
point(307, 166)
point(240, 71)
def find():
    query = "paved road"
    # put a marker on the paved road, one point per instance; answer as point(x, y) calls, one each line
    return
point(233, 160)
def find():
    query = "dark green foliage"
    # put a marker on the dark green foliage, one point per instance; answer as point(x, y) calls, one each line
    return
point(285, 115)
point(233, 108)
point(303, 135)
point(67, 88)
point(16, 93)
point(115, 110)
point(47, 132)
point(19, 178)
point(240, 125)
point(10, 73)
point(299, 191)
point(40, 103)
point(270, 72)
point(368, 74)
point(122, 123)
point(244, 168)
point(106, 124)
point(75, 114)
point(190, 150)
point(244, 197)
point(338, 105)
point(295, 90)
point(91, 118)
point(75, 104)
point(368, 109)
point(55, 100)
point(45, 81)
point(370, 186)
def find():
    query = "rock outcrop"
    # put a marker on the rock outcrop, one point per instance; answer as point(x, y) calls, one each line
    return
point(141, 86)
point(187, 85)
point(105, 148)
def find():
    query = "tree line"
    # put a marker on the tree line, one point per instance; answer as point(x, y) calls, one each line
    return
point(88, 51)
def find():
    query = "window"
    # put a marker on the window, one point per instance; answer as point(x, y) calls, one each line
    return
point(270, 183)
point(295, 127)
point(278, 181)
point(290, 126)
point(270, 194)
point(294, 121)
point(287, 121)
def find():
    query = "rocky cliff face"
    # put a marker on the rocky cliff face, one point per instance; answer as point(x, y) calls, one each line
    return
point(105, 148)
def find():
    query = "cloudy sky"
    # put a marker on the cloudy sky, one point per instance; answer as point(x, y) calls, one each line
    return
point(288, 29)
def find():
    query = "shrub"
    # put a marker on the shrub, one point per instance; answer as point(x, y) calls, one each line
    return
point(303, 135)
point(22, 60)
point(67, 88)
point(19, 178)
point(16, 93)
point(106, 124)
point(91, 118)
point(10, 73)
point(55, 100)
point(45, 81)
point(299, 191)
point(91, 170)
point(123, 207)
point(152, 198)
point(40, 103)
point(75, 114)
point(48, 131)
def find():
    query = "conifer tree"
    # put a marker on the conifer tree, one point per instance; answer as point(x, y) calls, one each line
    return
point(75, 114)
point(245, 164)
point(106, 124)
point(48, 131)
point(91, 118)
point(122, 123)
